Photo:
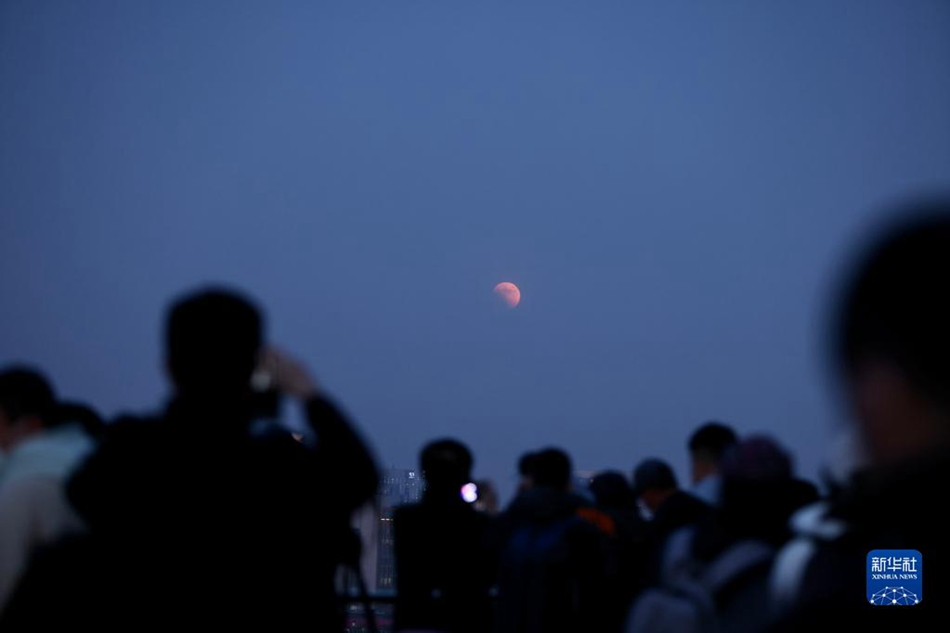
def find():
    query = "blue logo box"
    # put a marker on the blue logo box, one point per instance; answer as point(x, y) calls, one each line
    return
point(895, 577)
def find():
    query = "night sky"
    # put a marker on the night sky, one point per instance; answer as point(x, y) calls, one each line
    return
point(672, 185)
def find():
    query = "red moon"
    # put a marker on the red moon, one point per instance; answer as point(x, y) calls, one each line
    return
point(509, 293)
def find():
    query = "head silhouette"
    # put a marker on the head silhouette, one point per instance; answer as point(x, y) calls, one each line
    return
point(526, 471)
point(551, 469)
point(653, 482)
point(708, 446)
point(758, 484)
point(27, 405)
point(446, 465)
point(612, 491)
point(213, 339)
point(892, 337)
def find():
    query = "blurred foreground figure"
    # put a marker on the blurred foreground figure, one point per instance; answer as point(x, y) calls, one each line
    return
point(43, 442)
point(197, 519)
point(443, 573)
point(892, 344)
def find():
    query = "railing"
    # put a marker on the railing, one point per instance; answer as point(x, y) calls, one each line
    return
point(381, 605)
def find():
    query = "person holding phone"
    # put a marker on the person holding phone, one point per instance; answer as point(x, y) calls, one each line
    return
point(195, 519)
point(443, 572)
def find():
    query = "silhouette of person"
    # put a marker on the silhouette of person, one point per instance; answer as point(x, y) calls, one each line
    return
point(196, 519)
point(443, 571)
point(708, 446)
point(614, 496)
point(717, 569)
point(43, 442)
point(526, 471)
point(671, 508)
point(554, 545)
point(891, 344)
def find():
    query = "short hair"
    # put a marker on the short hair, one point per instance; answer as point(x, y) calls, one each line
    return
point(24, 391)
point(712, 441)
point(446, 461)
point(612, 490)
point(213, 338)
point(552, 468)
point(526, 464)
point(892, 303)
point(653, 474)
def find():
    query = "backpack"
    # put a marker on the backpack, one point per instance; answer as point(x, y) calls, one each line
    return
point(686, 599)
point(547, 582)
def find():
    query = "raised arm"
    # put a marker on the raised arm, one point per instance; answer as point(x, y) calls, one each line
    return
point(341, 455)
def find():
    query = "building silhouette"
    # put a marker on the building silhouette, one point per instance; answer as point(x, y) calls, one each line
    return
point(398, 486)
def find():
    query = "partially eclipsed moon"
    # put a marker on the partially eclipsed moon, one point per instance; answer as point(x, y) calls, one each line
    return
point(509, 293)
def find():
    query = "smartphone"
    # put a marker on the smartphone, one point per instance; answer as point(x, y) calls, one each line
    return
point(265, 399)
point(470, 492)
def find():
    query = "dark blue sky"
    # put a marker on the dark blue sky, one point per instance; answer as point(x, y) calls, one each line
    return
point(671, 184)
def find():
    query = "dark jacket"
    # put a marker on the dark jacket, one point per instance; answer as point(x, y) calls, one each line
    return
point(553, 570)
point(678, 510)
point(897, 509)
point(627, 563)
point(194, 519)
point(443, 572)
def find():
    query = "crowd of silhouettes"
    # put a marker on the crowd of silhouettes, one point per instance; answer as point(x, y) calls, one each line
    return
point(209, 513)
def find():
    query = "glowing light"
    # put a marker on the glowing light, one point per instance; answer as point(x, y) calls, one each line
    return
point(470, 493)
